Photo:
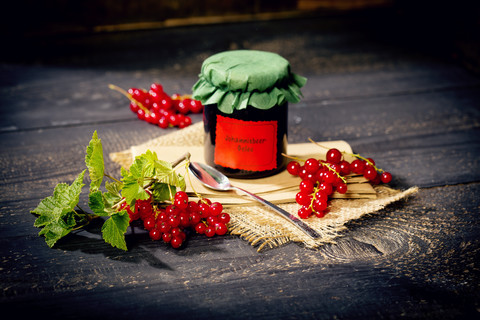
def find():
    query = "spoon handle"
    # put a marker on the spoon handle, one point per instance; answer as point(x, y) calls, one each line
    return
point(296, 221)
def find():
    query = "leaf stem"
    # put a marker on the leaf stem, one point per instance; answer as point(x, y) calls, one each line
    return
point(110, 177)
point(186, 157)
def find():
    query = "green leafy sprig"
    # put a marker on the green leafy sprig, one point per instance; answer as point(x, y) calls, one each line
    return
point(60, 214)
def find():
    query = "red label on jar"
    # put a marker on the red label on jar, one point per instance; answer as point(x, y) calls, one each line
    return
point(246, 145)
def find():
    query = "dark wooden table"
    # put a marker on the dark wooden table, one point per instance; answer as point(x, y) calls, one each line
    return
point(402, 99)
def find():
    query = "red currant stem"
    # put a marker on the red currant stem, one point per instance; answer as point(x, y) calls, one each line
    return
point(185, 157)
point(199, 196)
point(292, 157)
point(182, 97)
point(368, 161)
point(129, 96)
point(356, 155)
point(318, 144)
point(326, 164)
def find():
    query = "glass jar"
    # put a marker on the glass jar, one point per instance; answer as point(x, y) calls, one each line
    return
point(247, 143)
point(245, 94)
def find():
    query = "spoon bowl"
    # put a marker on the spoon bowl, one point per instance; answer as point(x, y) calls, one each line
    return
point(214, 179)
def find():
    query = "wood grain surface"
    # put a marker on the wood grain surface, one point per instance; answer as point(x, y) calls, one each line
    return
point(405, 103)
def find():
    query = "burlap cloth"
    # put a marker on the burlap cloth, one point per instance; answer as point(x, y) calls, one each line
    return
point(262, 227)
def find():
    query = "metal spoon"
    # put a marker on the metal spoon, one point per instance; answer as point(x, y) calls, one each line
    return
point(212, 178)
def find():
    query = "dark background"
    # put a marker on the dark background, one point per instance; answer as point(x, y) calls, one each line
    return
point(54, 30)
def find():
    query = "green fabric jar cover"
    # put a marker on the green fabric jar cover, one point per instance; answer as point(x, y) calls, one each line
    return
point(236, 79)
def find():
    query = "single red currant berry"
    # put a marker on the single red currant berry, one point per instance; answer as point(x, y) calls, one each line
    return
point(344, 168)
point(204, 209)
point(184, 219)
point(216, 208)
point(306, 186)
point(220, 228)
point(386, 177)
point(224, 217)
point(187, 121)
point(311, 165)
point(369, 173)
point(334, 155)
point(183, 107)
point(163, 122)
point(212, 220)
point(326, 187)
point(196, 106)
point(320, 214)
point(155, 234)
point(210, 231)
point(319, 205)
point(156, 87)
point(329, 177)
point(341, 188)
point(321, 195)
point(173, 220)
point(302, 172)
point(293, 168)
point(173, 119)
point(370, 162)
point(200, 228)
point(357, 166)
point(141, 114)
point(176, 242)
point(192, 206)
point(194, 218)
point(164, 227)
point(167, 237)
point(303, 198)
point(305, 212)
point(180, 200)
point(149, 223)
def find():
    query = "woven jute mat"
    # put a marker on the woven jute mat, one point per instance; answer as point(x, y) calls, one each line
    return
point(259, 225)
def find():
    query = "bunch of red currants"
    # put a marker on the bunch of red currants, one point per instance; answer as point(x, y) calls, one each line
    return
point(170, 223)
point(155, 106)
point(319, 179)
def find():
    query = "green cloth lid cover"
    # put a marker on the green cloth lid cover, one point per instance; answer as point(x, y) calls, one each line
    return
point(236, 79)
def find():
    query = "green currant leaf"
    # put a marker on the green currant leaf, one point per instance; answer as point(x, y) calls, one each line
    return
point(56, 213)
point(55, 229)
point(94, 162)
point(114, 187)
point(97, 204)
point(114, 228)
point(64, 197)
point(162, 192)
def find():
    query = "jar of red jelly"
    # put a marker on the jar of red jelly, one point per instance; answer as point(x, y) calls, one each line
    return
point(245, 94)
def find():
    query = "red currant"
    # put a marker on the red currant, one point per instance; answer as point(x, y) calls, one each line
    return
point(220, 228)
point(306, 186)
point(176, 242)
point(334, 156)
point(369, 173)
point(357, 166)
point(311, 165)
point(386, 177)
point(216, 209)
point(303, 198)
point(155, 234)
point(305, 212)
point(293, 168)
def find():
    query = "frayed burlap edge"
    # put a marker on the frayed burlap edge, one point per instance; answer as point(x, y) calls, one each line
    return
point(264, 228)
point(261, 226)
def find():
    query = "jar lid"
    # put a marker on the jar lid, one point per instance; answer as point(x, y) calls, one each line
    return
point(236, 79)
